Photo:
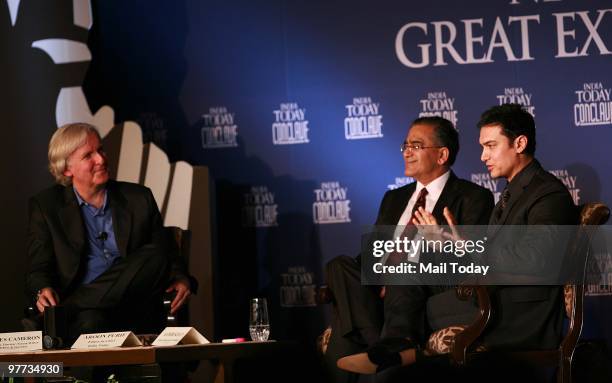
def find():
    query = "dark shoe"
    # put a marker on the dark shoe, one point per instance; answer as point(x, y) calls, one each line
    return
point(380, 356)
point(386, 353)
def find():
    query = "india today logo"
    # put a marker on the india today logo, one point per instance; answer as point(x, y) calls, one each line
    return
point(331, 204)
point(569, 181)
point(439, 104)
point(485, 180)
point(593, 105)
point(363, 119)
point(259, 209)
point(153, 128)
point(399, 182)
point(297, 288)
point(290, 125)
point(601, 270)
point(517, 96)
point(219, 129)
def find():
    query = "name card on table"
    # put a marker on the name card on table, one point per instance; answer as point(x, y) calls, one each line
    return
point(171, 336)
point(106, 340)
point(21, 341)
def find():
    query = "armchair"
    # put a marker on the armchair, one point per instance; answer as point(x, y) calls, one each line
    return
point(461, 342)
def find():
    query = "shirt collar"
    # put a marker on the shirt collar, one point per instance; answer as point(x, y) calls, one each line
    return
point(434, 188)
point(82, 202)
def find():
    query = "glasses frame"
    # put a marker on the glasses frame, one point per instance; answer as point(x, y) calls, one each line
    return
point(417, 147)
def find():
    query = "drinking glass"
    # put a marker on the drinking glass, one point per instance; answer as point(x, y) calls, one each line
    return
point(259, 323)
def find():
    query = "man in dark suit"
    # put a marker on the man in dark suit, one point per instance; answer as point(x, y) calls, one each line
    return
point(526, 316)
point(97, 246)
point(429, 151)
point(523, 316)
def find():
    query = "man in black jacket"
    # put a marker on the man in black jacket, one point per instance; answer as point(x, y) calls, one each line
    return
point(524, 316)
point(98, 246)
point(527, 316)
point(429, 151)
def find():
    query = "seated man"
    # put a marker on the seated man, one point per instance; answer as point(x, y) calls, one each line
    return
point(97, 246)
point(529, 317)
point(429, 151)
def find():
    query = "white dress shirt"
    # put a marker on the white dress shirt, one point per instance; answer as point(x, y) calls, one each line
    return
point(434, 189)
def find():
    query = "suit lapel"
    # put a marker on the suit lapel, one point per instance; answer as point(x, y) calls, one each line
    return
point(516, 193)
point(448, 195)
point(122, 219)
point(70, 217)
point(396, 211)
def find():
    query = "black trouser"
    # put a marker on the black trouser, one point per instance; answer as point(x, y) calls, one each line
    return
point(127, 296)
point(357, 314)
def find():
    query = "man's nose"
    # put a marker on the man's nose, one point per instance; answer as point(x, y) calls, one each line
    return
point(483, 156)
point(100, 158)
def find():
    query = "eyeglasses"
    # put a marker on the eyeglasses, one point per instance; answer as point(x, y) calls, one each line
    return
point(416, 147)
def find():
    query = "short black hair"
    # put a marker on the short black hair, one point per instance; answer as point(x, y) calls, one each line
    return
point(514, 120)
point(446, 135)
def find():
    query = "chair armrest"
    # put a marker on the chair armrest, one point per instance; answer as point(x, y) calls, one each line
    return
point(464, 340)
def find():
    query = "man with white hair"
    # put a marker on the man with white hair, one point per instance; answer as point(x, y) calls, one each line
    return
point(97, 246)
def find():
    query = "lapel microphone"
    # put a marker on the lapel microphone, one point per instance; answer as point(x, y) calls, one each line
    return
point(102, 236)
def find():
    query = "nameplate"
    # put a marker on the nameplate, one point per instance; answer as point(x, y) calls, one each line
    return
point(21, 341)
point(171, 336)
point(106, 340)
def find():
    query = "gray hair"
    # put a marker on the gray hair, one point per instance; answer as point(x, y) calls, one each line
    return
point(64, 142)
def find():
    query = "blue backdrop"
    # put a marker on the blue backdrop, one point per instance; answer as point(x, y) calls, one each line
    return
point(299, 109)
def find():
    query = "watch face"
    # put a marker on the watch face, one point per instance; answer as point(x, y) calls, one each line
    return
point(48, 342)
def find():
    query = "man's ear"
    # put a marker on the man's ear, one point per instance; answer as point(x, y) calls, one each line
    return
point(443, 156)
point(520, 144)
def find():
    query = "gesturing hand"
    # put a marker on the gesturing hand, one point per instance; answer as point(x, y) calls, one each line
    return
point(183, 291)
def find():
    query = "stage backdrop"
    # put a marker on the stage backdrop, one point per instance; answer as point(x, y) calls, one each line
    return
point(299, 108)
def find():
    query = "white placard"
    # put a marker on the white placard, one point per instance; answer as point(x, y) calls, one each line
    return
point(106, 340)
point(171, 336)
point(21, 341)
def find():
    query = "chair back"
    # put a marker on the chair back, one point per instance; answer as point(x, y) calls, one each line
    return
point(591, 215)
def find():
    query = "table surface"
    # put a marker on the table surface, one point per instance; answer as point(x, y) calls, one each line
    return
point(149, 354)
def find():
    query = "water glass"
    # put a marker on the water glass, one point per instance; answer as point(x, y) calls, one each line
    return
point(259, 322)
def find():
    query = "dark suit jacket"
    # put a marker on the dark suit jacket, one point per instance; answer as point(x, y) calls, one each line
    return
point(405, 306)
point(56, 241)
point(470, 204)
point(529, 316)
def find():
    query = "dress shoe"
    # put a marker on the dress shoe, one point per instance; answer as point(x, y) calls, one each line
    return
point(380, 356)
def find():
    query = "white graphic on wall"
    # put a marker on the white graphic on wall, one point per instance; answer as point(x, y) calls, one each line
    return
point(259, 209)
point(439, 104)
point(71, 105)
point(569, 180)
point(363, 119)
point(290, 125)
point(220, 129)
point(593, 105)
point(517, 95)
point(485, 180)
point(297, 288)
point(331, 204)
point(399, 182)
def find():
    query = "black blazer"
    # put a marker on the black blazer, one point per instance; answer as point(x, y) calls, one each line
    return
point(529, 316)
point(470, 204)
point(406, 306)
point(56, 240)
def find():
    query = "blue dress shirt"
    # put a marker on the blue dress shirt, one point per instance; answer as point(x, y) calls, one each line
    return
point(103, 250)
